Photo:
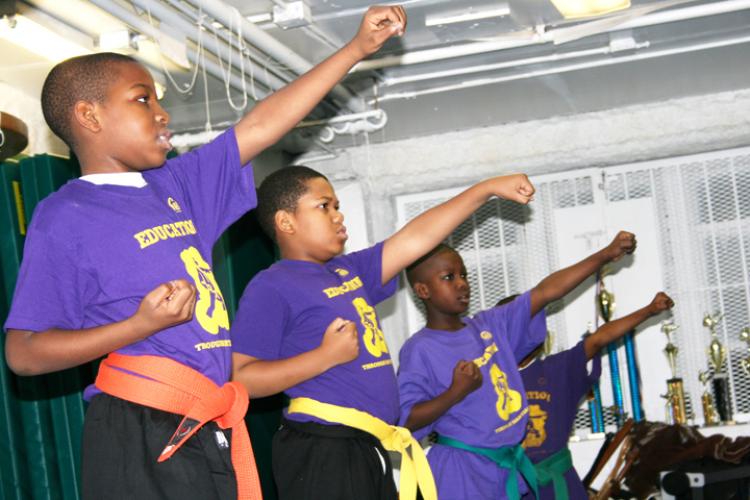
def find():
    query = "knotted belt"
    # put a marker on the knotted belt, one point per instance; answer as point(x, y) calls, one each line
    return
point(415, 471)
point(173, 387)
point(552, 469)
point(512, 458)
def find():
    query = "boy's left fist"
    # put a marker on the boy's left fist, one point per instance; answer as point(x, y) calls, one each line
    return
point(624, 243)
point(661, 303)
point(514, 187)
point(379, 23)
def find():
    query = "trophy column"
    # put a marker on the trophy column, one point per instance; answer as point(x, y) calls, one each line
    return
point(717, 355)
point(675, 388)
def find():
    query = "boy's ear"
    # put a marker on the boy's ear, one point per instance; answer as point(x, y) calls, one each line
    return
point(284, 222)
point(422, 290)
point(85, 114)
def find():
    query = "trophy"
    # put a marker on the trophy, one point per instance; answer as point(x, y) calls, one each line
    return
point(745, 337)
point(717, 355)
point(606, 302)
point(707, 401)
point(675, 388)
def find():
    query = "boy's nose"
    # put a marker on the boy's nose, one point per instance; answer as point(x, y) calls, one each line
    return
point(338, 217)
point(161, 115)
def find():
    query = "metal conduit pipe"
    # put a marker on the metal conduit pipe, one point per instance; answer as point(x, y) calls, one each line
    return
point(142, 26)
point(173, 18)
point(277, 50)
point(186, 28)
point(535, 38)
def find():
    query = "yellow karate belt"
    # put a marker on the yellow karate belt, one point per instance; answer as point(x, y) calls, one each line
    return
point(414, 467)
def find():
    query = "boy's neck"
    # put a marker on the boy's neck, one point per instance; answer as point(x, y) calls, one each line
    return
point(447, 322)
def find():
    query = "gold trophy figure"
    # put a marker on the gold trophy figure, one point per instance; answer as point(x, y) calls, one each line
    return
point(717, 353)
point(717, 356)
point(675, 388)
point(745, 337)
point(707, 401)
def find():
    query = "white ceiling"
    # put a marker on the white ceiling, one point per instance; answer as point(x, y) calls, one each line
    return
point(502, 66)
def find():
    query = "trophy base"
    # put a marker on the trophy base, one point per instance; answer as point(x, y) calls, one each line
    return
point(676, 398)
point(722, 397)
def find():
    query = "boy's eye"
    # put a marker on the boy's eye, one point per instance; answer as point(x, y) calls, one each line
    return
point(143, 99)
point(323, 205)
point(447, 277)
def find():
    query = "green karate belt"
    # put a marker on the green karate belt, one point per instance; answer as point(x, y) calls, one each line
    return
point(512, 458)
point(552, 469)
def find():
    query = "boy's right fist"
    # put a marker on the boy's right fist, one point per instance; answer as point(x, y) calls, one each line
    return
point(340, 342)
point(624, 243)
point(379, 23)
point(168, 304)
point(514, 187)
point(467, 378)
point(661, 303)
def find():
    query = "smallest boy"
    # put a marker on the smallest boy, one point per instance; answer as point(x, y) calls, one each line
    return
point(459, 377)
point(554, 400)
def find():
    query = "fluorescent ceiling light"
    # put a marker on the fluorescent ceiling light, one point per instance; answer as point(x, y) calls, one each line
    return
point(573, 9)
point(454, 17)
point(36, 38)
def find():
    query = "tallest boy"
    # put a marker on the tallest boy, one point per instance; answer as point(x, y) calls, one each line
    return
point(119, 261)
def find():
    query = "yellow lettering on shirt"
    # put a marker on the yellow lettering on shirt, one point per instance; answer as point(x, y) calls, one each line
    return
point(513, 422)
point(203, 346)
point(377, 364)
point(210, 308)
point(162, 232)
point(485, 358)
point(538, 395)
point(348, 286)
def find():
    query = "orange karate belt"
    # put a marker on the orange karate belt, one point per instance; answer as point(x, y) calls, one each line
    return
point(176, 388)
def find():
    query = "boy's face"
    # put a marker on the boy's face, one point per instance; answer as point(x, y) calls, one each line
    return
point(446, 287)
point(133, 134)
point(318, 225)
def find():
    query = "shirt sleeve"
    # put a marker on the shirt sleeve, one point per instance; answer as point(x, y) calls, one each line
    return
point(368, 264)
point(53, 285)
point(218, 188)
point(524, 332)
point(414, 384)
point(573, 363)
point(261, 320)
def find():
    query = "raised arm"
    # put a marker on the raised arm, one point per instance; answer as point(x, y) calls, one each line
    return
point(275, 115)
point(263, 378)
point(427, 230)
point(614, 330)
point(559, 283)
point(35, 353)
point(467, 378)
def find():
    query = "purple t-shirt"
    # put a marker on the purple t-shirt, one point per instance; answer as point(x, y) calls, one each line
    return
point(554, 389)
point(94, 251)
point(492, 416)
point(286, 309)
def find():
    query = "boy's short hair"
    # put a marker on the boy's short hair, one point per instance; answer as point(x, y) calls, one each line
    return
point(281, 191)
point(82, 78)
point(412, 271)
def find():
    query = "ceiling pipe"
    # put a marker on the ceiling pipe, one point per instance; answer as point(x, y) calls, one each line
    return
point(255, 36)
point(568, 68)
point(172, 19)
point(536, 37)
point(144, 27)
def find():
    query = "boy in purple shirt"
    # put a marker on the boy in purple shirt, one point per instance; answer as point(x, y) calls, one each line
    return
point(554, 399)
point(480, 417)
point(120, 260)
point(342, 384)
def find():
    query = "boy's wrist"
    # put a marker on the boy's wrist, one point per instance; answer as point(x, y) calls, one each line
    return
point(353, 52)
